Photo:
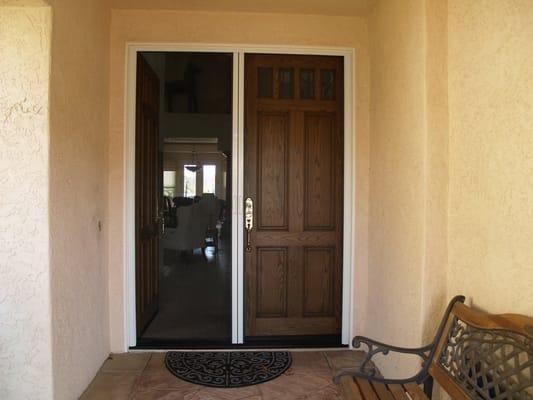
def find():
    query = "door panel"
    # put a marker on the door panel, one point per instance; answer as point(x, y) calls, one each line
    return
point(319, 171)
point(272, 280)
point(148, 173)
point(319, 278)
point(272, 179)
point(293, 173)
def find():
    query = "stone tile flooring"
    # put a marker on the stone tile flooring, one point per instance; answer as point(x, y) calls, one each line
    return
point(144, 376)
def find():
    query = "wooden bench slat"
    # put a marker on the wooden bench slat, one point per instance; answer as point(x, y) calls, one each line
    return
point(366, 389)
point(415, 392)
point(382, 391)
point(350, 389)
point(398, 392)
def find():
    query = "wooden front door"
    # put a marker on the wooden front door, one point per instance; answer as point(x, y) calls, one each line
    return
point(148, 193)
point(294, 176)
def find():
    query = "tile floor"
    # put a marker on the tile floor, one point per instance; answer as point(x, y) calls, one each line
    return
point(144, 376)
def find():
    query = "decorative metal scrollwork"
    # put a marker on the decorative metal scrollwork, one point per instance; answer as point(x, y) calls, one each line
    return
point(373, 347)
point(489, 364)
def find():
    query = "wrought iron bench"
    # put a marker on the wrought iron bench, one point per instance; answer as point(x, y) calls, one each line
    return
point(473, 356)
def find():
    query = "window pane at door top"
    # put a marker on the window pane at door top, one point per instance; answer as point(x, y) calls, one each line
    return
point(265, 79)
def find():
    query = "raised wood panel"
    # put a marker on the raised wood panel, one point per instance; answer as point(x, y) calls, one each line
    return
point(319, 278)
point(319, 185)
point(272, 170)
point(272, 278)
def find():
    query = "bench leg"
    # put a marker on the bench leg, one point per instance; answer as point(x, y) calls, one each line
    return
point(428, 386)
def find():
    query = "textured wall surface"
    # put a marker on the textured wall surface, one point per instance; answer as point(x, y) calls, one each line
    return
point(25, 327)
point(78, 181)
point(408, 173)
point(397, 156)
point(435, 263)
point(199, 27)
point(491, 153)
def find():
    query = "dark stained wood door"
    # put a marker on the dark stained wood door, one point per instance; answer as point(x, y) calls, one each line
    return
point(148, 193)
point(294, 175)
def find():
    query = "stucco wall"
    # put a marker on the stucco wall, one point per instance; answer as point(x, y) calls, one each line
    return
point(25, 328)
point(435, 263)
point(205, 27)
point(491, 153)
point(397, 147)
point(408, 173)
point(79, 99)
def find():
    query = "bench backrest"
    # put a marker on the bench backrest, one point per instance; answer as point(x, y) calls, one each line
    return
point(482, 356)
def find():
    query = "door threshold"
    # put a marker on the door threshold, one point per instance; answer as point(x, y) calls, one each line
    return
point(292, 349)
point(279, 342)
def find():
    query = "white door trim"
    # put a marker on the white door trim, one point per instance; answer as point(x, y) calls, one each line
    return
point(238, 51)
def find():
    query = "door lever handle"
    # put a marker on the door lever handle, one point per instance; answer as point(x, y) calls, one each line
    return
point(248, 222)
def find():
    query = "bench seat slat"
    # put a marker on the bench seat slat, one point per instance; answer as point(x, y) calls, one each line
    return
point(382, 391)
point(350, 389)
point(366, 389)
point(398, 392)
point(415, 392)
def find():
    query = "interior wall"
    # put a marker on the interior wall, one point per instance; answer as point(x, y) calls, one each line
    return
point(219, 27)
point(79, 96)
point(491, 147)
point(25, 329)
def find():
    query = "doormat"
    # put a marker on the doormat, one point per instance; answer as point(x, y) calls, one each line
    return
point(228, 369)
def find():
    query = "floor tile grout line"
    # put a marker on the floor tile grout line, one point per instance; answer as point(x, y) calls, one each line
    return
point(132, 391)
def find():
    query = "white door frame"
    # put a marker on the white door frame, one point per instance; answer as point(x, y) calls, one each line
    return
point(238, 52)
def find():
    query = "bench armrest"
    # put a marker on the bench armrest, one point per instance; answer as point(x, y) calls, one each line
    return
point(367, 369)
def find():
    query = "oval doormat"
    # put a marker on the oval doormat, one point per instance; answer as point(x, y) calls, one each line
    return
point(229, 368)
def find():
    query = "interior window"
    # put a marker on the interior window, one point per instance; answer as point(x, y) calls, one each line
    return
point(210, 178)
point(189, 180)
point(169, 183)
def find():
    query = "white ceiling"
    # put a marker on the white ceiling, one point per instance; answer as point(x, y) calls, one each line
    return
point(319, 7)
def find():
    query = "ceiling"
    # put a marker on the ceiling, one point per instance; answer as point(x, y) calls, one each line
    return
point(319, 7)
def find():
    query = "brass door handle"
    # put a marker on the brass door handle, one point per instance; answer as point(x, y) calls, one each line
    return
point(248, 221)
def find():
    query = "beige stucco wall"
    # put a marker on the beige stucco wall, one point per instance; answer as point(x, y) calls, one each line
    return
point(79, 98)
point(248, 28)
point(25, 327)
point(408, 173)
point(397, 147)
point(491, 153)
point(435, 262)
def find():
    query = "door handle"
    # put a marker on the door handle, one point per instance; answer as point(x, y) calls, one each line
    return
point(248, 221)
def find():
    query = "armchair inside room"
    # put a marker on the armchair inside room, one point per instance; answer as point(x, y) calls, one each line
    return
point(191, 229)
point(197, 225)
